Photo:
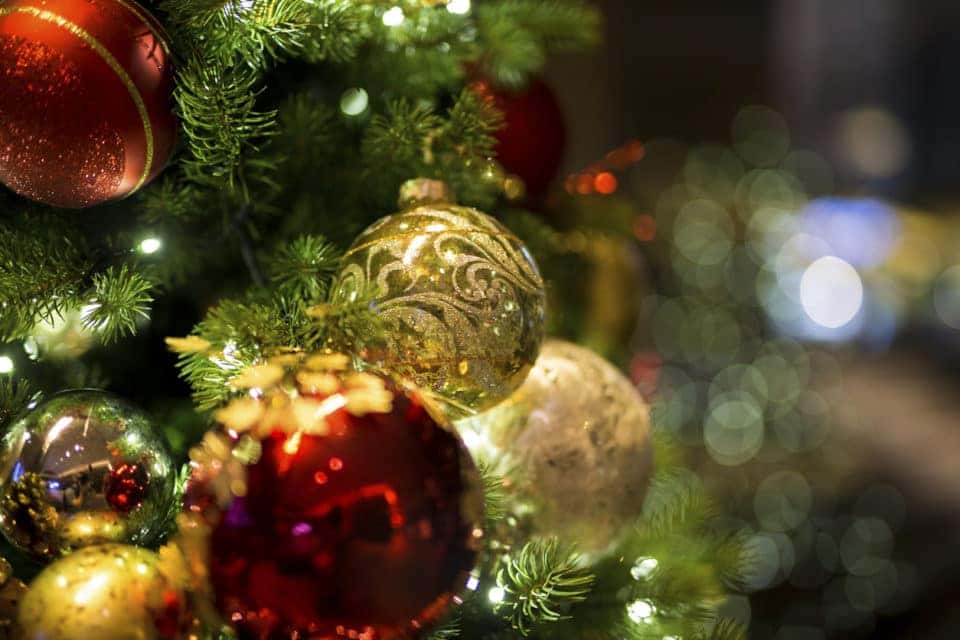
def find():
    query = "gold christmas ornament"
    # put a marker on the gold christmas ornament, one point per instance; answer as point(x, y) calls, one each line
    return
point(11, 592)
point(463, 293)
point(573, 444)
point(107, 592)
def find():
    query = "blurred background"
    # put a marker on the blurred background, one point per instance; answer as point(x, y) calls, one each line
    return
point(789, 171)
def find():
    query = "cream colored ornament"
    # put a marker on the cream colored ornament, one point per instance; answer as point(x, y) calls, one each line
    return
point(574, 446)
point(107, 592)
point(463, 293)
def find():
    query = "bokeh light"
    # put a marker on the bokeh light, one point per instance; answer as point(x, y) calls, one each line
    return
point(760, 135)
point(861, 231)
point(733, 430)
point(946, 297)
point(874, 141)
point(831, 292)
point(354, 101)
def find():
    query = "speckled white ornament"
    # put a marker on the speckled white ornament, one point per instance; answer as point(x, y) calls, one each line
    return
point(574, 446)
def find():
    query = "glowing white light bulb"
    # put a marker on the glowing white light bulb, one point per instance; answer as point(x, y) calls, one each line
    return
point(459, 7)
point(496, 595)
point(353, 102)
point(151, 245)
point(831, 292)
point(6, 364)
point(640, 611)
point(393, 17)
point(643, 568)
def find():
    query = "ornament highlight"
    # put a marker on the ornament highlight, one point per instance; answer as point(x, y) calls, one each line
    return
point(338, 507)
point(531, 142)
point(108, 592)
point(85, 89)
point(573, 444)
point(464, 294)
point(82, 468)
point(11, 592)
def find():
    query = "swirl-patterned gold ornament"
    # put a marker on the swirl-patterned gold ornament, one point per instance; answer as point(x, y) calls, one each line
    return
point(574, 446)
point(83, 468)
point(464, 294)
point(108, 592)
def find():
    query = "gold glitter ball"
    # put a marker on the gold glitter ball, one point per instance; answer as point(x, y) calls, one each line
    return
point(108, 592)
point(573, 444)
point(463, 294)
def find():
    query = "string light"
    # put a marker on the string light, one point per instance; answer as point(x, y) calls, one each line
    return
point(458, 7)
point(354, 101)
point(496, 595)
point(393, 17)
point(150, 246)
point(6, 364)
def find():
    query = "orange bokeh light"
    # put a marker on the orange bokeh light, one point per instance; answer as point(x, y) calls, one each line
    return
point(605, 183)
point(644, 228)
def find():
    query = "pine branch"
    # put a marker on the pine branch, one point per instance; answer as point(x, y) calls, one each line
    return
point(120, 297)
point(493, 493)
point(302, 269)
point(221, 125)
point(410, 141)
point(309, 136)
point(232, 336)
point(518, 35)
point(540, 585)
point(44, 272)
point(15, 395)
point(448, 630)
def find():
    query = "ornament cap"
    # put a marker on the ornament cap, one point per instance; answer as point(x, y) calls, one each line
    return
point(421, 191)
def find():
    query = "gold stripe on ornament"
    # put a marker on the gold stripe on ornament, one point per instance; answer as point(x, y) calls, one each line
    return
point(155, 28)
point(414, 234)
point(112, 62)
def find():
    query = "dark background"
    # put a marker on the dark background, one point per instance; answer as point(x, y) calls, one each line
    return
point(682, 69)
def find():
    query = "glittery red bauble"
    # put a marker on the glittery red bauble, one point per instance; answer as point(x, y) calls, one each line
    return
point(368, 532)
point(126, 487)
point(534, 135)
point(85, 90)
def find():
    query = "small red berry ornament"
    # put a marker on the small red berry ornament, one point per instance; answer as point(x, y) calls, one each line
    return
point(126, 486)
point(85, 90)
point(531, 142)
point(357, 516)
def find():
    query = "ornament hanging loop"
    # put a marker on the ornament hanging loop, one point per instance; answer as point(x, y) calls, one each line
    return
point(421, 191)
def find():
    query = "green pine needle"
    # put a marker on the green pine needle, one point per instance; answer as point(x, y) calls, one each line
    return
point(540, 584)
point(120, 298)
point(493, 493)
point(303, 269)
point(15, 395)
point(221, 125)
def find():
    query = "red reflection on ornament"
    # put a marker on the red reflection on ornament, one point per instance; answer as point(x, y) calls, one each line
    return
point(126, 487)
point(376, 550)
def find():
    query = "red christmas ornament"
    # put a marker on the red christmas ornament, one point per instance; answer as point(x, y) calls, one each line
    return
point(85, 90)
point(369, 531)
point(534, 135)
point(126, 487)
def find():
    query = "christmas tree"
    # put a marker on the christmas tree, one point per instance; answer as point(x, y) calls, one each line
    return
point(370, 436)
